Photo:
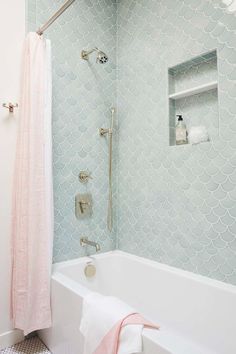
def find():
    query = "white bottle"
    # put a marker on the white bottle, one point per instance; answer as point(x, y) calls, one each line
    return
point(180, 131)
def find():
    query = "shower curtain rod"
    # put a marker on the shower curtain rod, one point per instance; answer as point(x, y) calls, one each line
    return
point(41, 30)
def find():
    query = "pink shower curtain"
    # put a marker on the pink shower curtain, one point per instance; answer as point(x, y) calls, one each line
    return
point(32, 214)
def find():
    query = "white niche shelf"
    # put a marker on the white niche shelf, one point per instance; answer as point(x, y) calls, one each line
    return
point(193, 93)
point(194, 90)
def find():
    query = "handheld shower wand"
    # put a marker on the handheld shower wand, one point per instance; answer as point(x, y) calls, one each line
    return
point(103, 132)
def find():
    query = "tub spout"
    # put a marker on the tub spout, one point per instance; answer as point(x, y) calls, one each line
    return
point(84, 241)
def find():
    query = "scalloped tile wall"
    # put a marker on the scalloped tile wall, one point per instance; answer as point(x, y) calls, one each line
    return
point(82, 96)
point(176, 205)
point(180, 207)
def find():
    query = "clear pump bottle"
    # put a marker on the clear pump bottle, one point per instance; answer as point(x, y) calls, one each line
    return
point(181, 131)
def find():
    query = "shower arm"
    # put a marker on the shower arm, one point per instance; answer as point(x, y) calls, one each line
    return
point(85, 54)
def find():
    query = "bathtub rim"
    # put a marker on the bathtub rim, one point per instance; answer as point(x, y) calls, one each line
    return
point(161, 266)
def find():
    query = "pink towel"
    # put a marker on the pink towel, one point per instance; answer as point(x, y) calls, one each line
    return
point(110, 343)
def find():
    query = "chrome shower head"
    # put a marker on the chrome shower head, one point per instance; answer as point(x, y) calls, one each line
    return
point(102, 58)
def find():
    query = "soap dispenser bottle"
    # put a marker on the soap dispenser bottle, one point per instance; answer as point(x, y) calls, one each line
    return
point(180, 131)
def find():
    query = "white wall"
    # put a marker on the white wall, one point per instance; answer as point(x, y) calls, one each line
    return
point(12, 32)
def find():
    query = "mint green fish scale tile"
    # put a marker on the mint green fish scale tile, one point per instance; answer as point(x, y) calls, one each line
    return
point(179, 207)
point(195, 195)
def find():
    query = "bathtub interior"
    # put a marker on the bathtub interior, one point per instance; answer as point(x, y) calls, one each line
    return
point(107, 272)
point(188, 306)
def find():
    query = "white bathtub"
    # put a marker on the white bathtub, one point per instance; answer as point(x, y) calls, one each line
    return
point(197, 315)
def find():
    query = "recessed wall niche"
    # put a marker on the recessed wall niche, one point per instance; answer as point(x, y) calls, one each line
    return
point(193, 93)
